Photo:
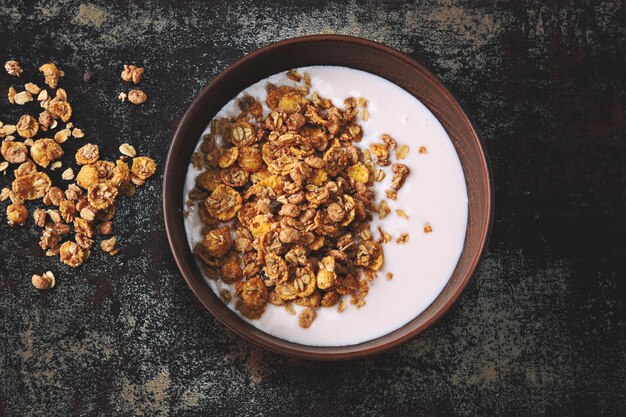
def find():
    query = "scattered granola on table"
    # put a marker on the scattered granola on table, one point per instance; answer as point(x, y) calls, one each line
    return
point(13, 68)
point(71, 215)
point(286, 201)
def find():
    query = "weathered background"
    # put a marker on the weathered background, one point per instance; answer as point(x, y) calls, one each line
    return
point(541, 331)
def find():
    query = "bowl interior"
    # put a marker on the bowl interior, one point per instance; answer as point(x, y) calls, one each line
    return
point(353, 53)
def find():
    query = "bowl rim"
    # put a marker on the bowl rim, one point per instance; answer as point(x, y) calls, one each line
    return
point(329, 353)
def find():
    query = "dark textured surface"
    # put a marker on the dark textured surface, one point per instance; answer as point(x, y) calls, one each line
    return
point(541, 331)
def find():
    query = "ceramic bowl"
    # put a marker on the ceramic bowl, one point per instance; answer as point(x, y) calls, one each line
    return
point(353, 53)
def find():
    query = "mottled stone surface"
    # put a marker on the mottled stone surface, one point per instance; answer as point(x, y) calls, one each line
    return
point(541, 330)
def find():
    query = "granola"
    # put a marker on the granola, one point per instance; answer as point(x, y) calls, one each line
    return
point(44, 281)
point(13, 68)
point(287, 201)
point(137, 96)
point(72, 218)
point(132, 73)
point(52, 74)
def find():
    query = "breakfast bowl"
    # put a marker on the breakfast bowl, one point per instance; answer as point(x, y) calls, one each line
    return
point(367, 68)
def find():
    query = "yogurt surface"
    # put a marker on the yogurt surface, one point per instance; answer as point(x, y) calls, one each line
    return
point(434, 193)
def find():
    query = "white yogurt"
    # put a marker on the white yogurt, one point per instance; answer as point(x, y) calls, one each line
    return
point(434, 193)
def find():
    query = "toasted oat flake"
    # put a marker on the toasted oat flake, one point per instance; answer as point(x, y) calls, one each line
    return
point(342, 306)
point(7, 130)
point(54, 215)
point(128, 150)
point(56, 165)
point(383, 210)
point(402, 152)
point(122, 96)
point(402, 214)
point(3, 166)
point(11, 95)
point(32, 88)
point(42, 96)
point(78, 133)
point(289, 308)
point(225, 295)
point(22, 98)
point(62, 135)
point(68, 174)
point(87, 214)
point(4, 194)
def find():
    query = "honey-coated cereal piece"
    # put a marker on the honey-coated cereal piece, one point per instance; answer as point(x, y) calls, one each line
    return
point(101, 194)
point(260, 224)
point(14, 152)
point(228, 157)
point(60, 109)
point(87, 176)
point(250, 158)
point(254, 293)
point(105, 169)
point(32, 186)
point(234, 176)
point(87, 154)
point(223, 203)
point(209, 180)
point(17, 214)
point(44, 151)
point(27, 127)
point(217, 241)
point(359, 173)
point(230, 271)
point(72, 254)
point(285, 99)
point(143, 167)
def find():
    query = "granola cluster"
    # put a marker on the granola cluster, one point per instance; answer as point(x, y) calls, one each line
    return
point(72, 215)
point(287, 201)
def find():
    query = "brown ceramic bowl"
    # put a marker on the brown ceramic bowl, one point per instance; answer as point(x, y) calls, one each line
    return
point(348, 52)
